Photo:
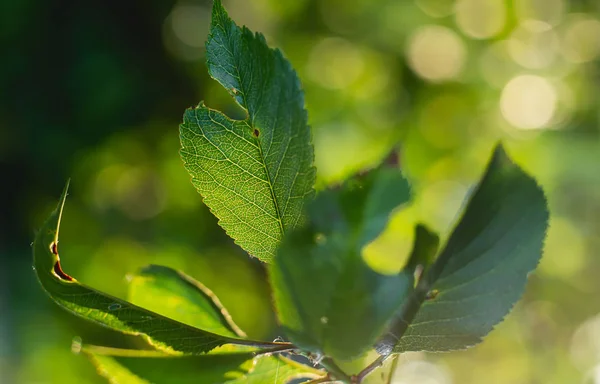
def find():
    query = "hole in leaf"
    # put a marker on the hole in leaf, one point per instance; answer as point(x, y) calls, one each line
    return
point(57, 269)
point(60, 273)
point(256, 132)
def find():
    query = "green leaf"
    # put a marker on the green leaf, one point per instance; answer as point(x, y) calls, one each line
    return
point(139, 367)
point(177, 296)
point(277, 370)
point(115, 372)
point(131, 367)
point(254, 174)
point(328, 300)
point(163, 333)
point(483, 268)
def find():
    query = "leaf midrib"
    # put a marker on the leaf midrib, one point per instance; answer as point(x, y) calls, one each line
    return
point(252, 126)
point(277, 217)
point(430, 283)
point(271, 189)
point(467, 248)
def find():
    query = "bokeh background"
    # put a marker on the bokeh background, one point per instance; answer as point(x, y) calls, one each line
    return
point(95, 91)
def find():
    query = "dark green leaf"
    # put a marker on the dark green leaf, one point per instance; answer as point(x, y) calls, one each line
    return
point(328, 300)
point(254, 174)
point(111, 312)
point(179, 297)
point(483, 268)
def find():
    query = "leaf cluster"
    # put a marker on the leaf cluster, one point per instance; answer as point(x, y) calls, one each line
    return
point(257, 177)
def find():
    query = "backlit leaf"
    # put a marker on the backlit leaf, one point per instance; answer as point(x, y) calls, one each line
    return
point(130, 367)
point(144, 367)
point(254, 174)
point(179, 297)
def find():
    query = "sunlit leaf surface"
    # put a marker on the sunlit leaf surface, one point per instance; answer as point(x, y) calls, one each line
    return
point(254, 174)
point(179, 297)
point(137, 367)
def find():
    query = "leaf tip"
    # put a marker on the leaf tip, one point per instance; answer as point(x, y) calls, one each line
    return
point(61, 206)
point(500, 157)
point(218, 12)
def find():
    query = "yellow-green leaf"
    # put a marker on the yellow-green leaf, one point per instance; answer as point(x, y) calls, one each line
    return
point(178, 296)
point(144, 367)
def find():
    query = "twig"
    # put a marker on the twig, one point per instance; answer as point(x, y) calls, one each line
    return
point(370, 368)
point(278, 349)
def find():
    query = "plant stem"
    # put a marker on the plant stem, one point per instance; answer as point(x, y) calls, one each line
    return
point(278, 349)
point(261, 344)
point(370, 368)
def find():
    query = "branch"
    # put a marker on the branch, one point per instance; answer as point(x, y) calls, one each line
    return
point(285, 347)
point(370, 368)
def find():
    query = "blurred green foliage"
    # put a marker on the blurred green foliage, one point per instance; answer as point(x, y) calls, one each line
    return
point(95, 91)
